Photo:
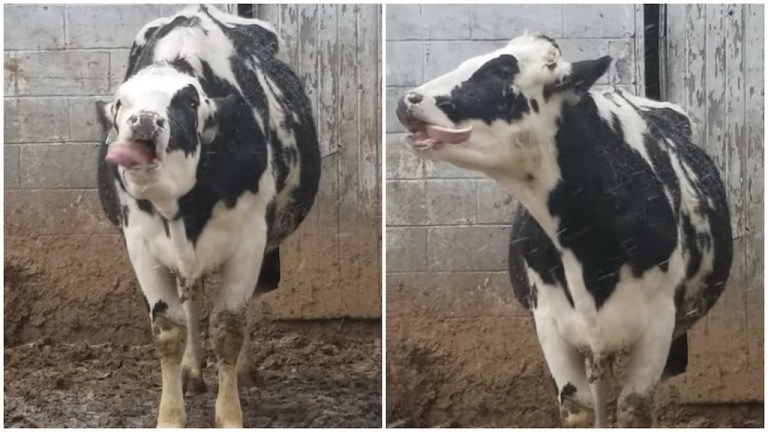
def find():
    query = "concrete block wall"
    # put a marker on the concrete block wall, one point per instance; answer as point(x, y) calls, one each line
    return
point(441, 218)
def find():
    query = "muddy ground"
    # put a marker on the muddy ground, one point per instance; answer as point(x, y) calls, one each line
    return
point(310, 374)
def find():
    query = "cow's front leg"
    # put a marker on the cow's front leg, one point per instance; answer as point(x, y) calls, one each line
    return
point(192, 364)
point(566, 364)
point(168, 329)
point(228, 320)
point(645, 365)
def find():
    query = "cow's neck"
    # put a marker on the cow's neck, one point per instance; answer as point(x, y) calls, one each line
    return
point(581, 167)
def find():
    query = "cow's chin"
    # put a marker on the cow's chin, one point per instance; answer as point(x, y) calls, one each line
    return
point(162, 181)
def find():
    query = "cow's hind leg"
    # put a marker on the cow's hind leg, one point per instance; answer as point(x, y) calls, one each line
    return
point(566, 364)
point(269, 279)
point(645, 365)
point(228, 321)
point(192, 364)
point(168, 328)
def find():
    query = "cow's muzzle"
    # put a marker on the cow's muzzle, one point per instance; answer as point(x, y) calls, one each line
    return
point(405, 110)
point(145, 125)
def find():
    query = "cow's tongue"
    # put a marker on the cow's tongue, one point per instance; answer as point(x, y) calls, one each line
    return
point(448, 135)
point(129, 154)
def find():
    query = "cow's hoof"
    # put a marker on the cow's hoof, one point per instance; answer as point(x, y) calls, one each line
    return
point(192, 382)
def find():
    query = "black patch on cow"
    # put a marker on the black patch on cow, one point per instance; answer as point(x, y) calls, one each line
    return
point(146, 206)
point(691, 246)
point(677, 359)
point(124, 212)
point(183, 66)
point(165, 226)
point(568, 391)
point(529, 245)
point(182, 120)
point(159, 308)
point(601, 218)
point(487, 95)
point(269, 277)
point(534, 105)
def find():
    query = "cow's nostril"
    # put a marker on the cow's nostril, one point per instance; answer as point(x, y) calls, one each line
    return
point(414, 98)
point(133, 119)
point(160, 122)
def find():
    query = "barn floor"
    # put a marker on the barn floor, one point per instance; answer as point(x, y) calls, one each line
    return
point(318, 374)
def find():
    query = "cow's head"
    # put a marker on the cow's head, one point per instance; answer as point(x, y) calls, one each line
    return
point(496, 112)
point(159, 120)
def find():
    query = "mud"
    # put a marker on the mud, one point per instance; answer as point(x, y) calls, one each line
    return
point(310, 374)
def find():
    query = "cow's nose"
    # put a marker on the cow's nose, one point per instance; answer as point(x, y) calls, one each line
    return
point(405, 106)
point(145, 124)
point(414, 98)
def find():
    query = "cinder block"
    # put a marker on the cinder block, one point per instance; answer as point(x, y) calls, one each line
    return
point(406, 202)
point(11, 166)
point(599, 21)
point(36, 119)
point(55, 212)
point(463, 248)
point(62, 166)
point(83, 121)
point(118, 64)
point(406, 249)
point(403, 162)
point(451, 202)
point(33, 27)
point(510, 21)
point(57, 73)
point(405, 63)
point(419, 22)
point(494, 204)
point(392, 94)
point(113, 26)
point(622, 69)
point(443, 57)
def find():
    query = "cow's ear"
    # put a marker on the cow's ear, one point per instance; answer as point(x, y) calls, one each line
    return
point(105, 114)
point(583, 75)
point(219, 110)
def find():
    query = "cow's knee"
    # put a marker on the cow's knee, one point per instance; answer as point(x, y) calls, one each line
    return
point(575, 408)
point(170, 334)
point(227, 334)
point(635, 410)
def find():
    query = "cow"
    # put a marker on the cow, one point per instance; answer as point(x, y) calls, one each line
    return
point(210, 161)
point(623, 238)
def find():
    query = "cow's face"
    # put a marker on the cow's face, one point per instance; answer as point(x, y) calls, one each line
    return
point(161, 118)
point(494, 111)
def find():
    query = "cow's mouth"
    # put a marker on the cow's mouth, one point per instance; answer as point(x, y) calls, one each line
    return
point(426, 135)
point(132, 154)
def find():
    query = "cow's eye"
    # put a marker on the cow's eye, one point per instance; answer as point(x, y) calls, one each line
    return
point(193, 104)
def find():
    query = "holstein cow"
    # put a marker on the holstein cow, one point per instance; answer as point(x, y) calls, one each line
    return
point(625, 238)
point(211, 161)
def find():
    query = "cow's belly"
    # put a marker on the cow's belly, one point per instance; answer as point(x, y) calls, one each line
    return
point(630, 311)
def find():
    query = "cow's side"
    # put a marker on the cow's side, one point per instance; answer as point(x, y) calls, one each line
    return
point(625, 238)
point(239, 185)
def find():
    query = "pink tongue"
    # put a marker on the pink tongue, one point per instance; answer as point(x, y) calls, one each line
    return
point(129, 154)
point(448, 135)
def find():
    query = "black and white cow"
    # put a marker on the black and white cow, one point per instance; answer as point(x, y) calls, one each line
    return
point(211, 160)
point(625, 238)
